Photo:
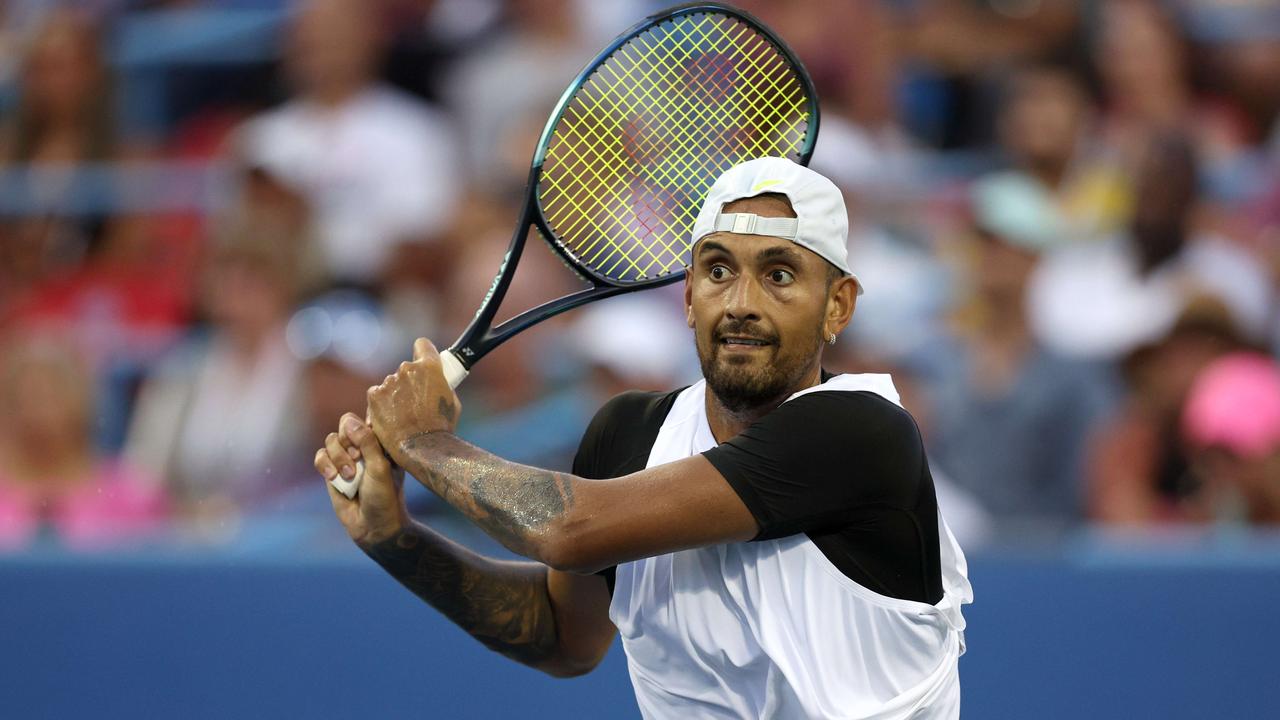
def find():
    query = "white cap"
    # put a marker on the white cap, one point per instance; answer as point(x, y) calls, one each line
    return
point(821, 223)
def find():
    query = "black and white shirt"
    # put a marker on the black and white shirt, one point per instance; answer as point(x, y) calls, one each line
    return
point(847, 603)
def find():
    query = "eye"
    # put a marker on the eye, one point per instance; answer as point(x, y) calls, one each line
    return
point(782, 277)
point(719, 272)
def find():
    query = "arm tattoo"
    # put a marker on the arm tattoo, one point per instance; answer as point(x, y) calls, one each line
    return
point(515, 504)
point(504, 605)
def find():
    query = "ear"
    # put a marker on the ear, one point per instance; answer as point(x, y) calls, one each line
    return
point(841, 302)
point(688, 297)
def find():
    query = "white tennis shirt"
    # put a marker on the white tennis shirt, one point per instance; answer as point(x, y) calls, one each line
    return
point(772, 629)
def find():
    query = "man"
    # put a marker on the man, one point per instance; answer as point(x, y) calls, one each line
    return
point(847, 603)
point(366, 157)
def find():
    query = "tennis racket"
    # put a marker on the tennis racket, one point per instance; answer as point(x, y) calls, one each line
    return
point(630, 151)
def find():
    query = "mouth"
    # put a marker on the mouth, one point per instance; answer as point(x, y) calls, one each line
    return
point(743, 342)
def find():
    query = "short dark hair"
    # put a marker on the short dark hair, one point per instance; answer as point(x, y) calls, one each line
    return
point(833, 274)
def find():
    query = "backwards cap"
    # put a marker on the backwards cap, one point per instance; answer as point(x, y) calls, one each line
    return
point(821, 224)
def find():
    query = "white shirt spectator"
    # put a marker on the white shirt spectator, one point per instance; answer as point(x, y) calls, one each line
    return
point(378, 170)
point(1090, 300)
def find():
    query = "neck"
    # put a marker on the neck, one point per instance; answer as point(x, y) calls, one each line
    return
point(1050, 173)
point(727, 423)
point(337, 93)
point(1006, 322)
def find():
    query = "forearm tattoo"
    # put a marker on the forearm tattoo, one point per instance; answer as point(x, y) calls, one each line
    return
point(503, 605)
point(515, 504)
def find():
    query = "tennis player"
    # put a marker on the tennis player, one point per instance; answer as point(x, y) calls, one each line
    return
point(766, 541)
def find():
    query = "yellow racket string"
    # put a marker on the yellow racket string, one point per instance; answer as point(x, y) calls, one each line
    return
point(639, 144)
point(683, 138)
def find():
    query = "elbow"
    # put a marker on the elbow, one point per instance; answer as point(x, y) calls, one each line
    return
point(569, 548)
point(568, 670)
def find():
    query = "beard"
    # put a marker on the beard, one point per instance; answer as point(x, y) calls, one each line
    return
point(745, 383)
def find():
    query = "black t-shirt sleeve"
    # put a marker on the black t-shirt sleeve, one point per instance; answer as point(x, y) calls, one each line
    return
point(812, 463)
point(619, 438)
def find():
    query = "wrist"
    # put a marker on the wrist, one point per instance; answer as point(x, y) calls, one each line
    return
point(416, 449)
point(397, 536)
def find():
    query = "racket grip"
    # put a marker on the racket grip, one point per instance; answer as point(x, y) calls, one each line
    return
point(454, 373)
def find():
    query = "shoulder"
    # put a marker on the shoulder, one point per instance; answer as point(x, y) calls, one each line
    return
point(395, 107)
point(849, 412)
point(633, 414)
point(620, 436)
point(637, 406)
point(831, 431)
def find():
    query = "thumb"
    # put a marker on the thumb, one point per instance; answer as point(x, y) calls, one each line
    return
point(371, 451)
point(424, 348)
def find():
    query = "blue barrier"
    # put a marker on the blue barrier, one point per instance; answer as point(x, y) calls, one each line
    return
point(1085, 632)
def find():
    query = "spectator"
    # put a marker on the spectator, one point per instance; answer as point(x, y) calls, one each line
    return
point(1139, 472)
point(376, 165)
point(64, 113)
point(959, 49)
point(1102, 300)
point(52, 478)
point(63, 117)
point(638, 342)
point(863, 146)
point(1231, 427)
point(219, 420)
point(1142, 64)
point(1010, 417)
point(494, 90)
point(1044, 131)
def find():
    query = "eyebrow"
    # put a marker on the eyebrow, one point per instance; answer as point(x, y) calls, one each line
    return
point(777, 252)
point(712, 246)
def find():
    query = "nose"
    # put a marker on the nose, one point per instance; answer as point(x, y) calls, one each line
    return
point(742, 303)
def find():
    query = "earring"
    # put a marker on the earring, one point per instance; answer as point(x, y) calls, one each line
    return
point(831, 339)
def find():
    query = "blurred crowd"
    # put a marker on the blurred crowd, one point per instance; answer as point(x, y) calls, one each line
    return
point(221, 221)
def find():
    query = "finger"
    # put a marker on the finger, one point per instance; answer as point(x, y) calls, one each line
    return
point(375, 457)
point(352, 449)
point(324, 465)
point(423, 349)
point(336, 497)
point(339, 457)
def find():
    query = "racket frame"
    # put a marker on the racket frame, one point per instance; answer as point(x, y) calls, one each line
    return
point(480, 336)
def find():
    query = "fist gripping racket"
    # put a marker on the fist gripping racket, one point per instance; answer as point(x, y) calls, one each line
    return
point(632, 148)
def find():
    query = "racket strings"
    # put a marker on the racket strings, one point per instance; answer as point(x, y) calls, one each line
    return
point(648, 99)
point(639, 144)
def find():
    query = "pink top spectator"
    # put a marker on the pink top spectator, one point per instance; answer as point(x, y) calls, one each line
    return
point(117, 504)
point(1235, 403)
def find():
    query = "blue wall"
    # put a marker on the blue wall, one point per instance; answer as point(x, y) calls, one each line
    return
point(1091, 632)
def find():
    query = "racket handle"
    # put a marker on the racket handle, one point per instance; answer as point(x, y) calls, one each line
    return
point(454, 373)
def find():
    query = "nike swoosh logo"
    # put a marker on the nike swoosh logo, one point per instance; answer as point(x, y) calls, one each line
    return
point(764, 184)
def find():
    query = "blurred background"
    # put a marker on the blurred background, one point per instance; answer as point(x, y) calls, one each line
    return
point(222, 220)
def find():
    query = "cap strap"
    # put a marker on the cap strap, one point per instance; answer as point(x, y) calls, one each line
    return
point(752, 224)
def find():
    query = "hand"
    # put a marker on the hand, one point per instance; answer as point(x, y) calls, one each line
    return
point(416, 400)
point(378, 512)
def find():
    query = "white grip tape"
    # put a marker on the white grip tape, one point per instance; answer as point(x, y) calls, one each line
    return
point(454, 373)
